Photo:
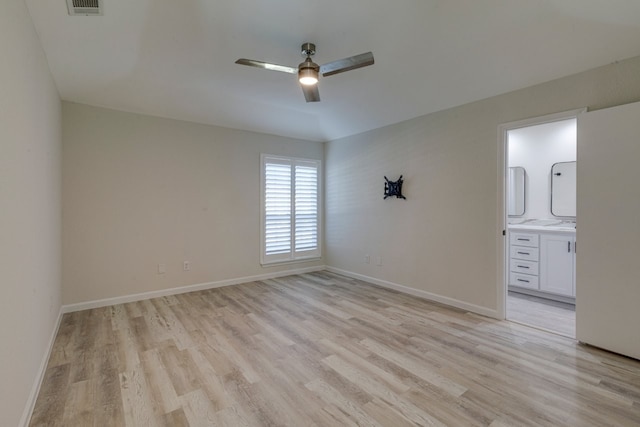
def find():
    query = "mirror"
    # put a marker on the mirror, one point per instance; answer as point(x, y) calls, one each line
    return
point(517, 177)
point(563, 189)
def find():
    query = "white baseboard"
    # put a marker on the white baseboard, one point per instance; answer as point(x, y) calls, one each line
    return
point(420, 293)
point(69, 308)
point(35, 389)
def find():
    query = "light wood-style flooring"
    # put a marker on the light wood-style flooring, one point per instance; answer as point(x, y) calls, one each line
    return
point(323, 350)
point(558, 317)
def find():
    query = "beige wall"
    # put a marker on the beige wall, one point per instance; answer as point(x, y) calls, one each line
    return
point(443, 239)
point(30, 186)
point(140, 191)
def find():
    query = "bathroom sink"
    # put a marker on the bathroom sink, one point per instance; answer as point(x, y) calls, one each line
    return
point(515, 221)
point(545, 222)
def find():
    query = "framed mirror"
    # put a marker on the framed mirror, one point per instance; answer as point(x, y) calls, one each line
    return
point(563, 189)
point(516, 191)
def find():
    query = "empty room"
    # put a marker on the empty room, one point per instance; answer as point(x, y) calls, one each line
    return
point(337, 213)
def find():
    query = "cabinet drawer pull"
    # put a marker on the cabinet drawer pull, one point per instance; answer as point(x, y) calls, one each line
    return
point(522, 280)
point(569, 246)
point(523, 240)
point(523, 266)
point(524, 253)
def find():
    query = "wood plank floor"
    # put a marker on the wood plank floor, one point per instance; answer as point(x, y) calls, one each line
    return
point(558, 317)
point(323, 350)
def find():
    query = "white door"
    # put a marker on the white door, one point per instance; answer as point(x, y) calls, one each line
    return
point(556, 264)
point(608, 231)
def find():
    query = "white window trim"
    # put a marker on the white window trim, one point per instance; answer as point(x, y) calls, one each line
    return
point(290, 257)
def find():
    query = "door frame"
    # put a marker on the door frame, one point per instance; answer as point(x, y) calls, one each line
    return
point(502, 220)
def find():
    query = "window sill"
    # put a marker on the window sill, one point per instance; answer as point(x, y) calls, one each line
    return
point(290, 261)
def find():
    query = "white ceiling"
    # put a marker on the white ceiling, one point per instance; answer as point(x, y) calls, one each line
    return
point(176, 58)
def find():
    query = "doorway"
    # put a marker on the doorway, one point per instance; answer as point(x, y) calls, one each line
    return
point(539, 218)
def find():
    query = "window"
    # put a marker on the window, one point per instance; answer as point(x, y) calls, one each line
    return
point(290, 217)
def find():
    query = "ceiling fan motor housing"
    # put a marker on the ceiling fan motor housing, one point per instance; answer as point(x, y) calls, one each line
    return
point(308, 70)
point(308, 64)
point(308, 49)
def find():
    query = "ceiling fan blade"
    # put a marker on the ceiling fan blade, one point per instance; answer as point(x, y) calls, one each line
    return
point(311, 93)
point(267, 66)
point(347, 64)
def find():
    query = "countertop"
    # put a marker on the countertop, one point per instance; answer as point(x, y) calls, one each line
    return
point(550, 228)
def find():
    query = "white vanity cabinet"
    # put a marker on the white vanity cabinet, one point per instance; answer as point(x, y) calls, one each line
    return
point(523, 260)
point(558, 264)
point(542, 262)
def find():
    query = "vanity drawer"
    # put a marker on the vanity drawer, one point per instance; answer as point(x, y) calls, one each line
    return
point(524, 252)
point(524, 239)
point(523, 280)
point(525, 267)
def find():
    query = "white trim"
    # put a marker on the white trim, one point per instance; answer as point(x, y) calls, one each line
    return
point(503, 164)
point(184, 289)
point(540, 120)
point(291, 261)
point(419, 293)
point(35, 389)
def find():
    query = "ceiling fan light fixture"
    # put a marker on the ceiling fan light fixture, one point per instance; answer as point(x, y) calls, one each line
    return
point(308, 76)
point(308, 72)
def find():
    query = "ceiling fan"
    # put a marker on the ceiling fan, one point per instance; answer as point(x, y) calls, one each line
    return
point(308, 70)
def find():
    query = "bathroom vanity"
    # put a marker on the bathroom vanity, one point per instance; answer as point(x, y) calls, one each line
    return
point(542, 260)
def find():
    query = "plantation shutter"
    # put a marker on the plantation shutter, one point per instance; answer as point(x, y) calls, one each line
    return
point(277, 209)
point(290, 209)
point(306, 208)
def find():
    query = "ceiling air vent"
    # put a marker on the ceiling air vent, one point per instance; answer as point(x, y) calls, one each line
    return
point(85, 7)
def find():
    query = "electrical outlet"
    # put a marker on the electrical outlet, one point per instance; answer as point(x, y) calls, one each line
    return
point(367, 259)
point(161, 269)
point(379, 260)
point(186, 266)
